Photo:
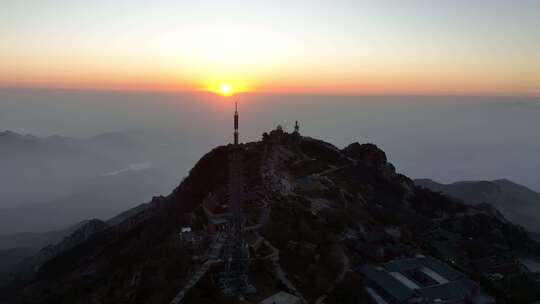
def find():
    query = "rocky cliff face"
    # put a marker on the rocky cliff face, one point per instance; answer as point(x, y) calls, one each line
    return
point(307, 200)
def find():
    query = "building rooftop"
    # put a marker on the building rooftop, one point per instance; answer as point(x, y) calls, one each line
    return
point(452, 291)
point(392, 287)
point(281, 297)
point(415, 263)
point(531, 265)
point(418, 278)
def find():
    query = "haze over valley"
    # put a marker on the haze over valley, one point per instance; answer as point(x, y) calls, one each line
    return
point(74, 155)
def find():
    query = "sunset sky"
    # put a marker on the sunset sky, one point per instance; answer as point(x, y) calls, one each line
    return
point(479, 47)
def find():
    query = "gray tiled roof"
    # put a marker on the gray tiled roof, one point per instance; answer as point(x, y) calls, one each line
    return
point(413, 263)
point(456, 287)
point(451, 291)
point(389, 284)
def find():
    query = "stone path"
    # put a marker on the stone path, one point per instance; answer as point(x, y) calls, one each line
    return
point(339, 278)
point(193, 281)
point(213, 255)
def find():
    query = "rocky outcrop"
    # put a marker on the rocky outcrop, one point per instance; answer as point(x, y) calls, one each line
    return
point(367, 153)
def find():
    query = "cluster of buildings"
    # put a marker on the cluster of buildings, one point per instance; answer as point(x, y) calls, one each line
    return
point(378, 244)
point(420, 280)
point(494, 262)
point(396, 273)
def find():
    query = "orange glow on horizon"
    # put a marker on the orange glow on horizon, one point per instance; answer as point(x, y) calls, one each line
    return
point(286, 85)
point(308, 82)
point(300, 47)
point(227, 88)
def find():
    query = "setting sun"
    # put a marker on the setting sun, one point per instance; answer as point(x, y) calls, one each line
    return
point(226, 89)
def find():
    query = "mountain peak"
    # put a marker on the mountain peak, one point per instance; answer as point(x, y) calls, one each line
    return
point(311, 215)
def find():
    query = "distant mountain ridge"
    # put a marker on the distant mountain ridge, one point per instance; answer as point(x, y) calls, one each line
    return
point(14, 248)
point(21, 252)
point(35, 240)
point(48, 183)
point(50, 165)
point(516, 202)
point(76, 237)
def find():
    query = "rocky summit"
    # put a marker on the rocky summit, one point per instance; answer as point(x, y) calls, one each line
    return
point(318, 224)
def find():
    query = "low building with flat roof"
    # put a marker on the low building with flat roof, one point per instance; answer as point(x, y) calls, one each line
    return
point(420, 280)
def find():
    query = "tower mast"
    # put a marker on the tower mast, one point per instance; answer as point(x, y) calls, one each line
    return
point(235, 123)
point(234, 280)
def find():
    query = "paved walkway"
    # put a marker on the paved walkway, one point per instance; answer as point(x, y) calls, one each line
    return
point(213, 255)
point(193, 281)
point(280, 274)
point(339, 278)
